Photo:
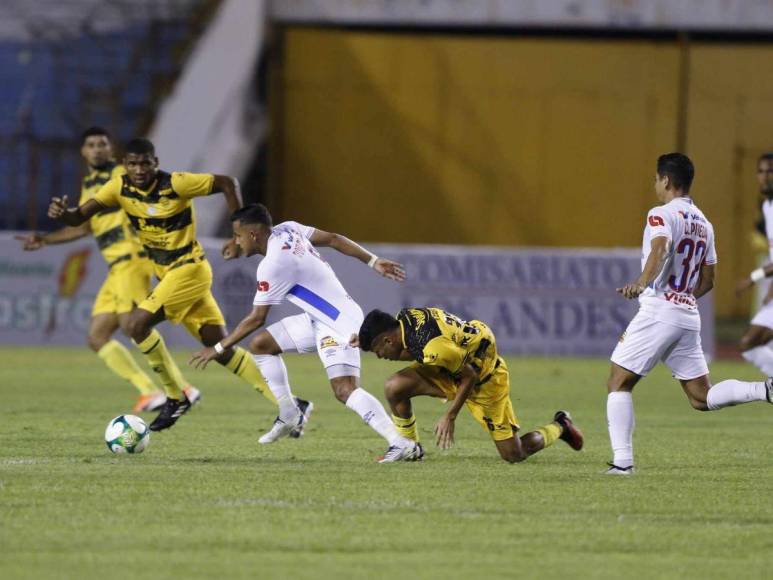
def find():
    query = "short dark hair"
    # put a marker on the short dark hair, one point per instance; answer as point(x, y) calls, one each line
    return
point(768, 156)
point(253, 213)
point(678, 168)
point(94, 132)
point(140, 146)
point(376, 322)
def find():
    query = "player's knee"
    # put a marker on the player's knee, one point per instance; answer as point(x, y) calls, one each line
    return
point(513, 456)
point(263, 343)
point(342, 389)
point(96, 341)
point(137, 328)
point(698, 405)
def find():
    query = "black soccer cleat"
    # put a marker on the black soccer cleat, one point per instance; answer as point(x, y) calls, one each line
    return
point(305, 407)
point(569, 431)
point(170, 412)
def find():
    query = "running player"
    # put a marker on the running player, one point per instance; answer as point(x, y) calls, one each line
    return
point(293, 270)
point(755, 344)
point(457, 361)
point(160, 208)
point(678, 266)
point(129, 273)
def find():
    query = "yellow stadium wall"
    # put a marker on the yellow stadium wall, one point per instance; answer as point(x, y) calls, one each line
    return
point(513, 141)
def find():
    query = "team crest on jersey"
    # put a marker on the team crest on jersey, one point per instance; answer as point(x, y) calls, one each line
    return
point(327, 342)
point(263, 286)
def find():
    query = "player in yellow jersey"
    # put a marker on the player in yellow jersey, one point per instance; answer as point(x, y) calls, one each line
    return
point(457, 361)
point(128, 279)
point(160, 208)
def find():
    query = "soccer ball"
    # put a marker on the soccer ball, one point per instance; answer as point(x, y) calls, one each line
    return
point(127, 434)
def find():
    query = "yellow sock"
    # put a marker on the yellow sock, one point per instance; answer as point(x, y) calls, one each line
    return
point(154, 349)
point(119, 360)
point(406, 427)
point(244, 367)
point(550, 433)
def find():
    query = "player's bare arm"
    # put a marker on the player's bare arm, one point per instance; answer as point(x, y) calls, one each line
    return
point(231, 190)
point(387, 268)
point(59, 210)
point(706, 280)
point(651, 270)
point(444, 429)
point(35, 241)
point(247, 326)
point(756, 276)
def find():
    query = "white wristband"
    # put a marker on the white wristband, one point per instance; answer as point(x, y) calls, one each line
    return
point(757, 275)
point(373, 260)
point(219, 348)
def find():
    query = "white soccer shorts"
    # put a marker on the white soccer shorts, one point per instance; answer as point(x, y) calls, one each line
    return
point(647, 341)
point(765, 316)
point(303, 334)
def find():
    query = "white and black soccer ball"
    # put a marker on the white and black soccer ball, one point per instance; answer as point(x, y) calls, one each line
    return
point(127, 434)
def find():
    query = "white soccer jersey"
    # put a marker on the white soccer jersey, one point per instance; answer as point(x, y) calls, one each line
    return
point(293, 270)
point(691, 244)
point(767, 211)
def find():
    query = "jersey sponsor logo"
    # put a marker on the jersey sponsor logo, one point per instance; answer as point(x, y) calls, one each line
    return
point(685, 299)
point(656, 220)
point(327, 342)
point(263, 286)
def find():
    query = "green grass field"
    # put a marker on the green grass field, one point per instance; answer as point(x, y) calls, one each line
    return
point(205, 500)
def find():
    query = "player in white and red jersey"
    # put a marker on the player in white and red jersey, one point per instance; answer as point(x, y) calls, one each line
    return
point(293, 270)
point(756, 341)
point(678, 267)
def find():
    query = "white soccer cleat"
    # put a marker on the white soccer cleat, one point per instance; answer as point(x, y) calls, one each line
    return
point(616, 470)
point(407, 451)
point(282, 429)
point(305, 407)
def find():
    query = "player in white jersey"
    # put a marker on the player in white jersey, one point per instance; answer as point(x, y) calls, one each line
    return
point(678, 267)
point(293, 270)
point(756, 341)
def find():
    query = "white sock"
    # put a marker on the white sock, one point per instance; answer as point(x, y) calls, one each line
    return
point(732, 392)
point(274, 371)
point(372, 412)
point(761, 357)
point(621, 422)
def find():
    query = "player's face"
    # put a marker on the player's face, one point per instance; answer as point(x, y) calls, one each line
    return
point(141, 169)
point(96, 150)
point(765, 177)
point(246, 237)
point(385, 346)
point(661, 185)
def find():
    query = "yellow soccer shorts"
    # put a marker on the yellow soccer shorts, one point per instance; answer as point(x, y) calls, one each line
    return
point(126, 285)
point(185, 294)
point(489, 403)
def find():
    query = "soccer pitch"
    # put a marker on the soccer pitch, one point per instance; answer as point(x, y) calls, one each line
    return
point(205, 500)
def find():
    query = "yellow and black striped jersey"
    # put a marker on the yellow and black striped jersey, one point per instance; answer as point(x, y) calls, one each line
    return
point(163, 215)
point(111, 229)
point(439, 338)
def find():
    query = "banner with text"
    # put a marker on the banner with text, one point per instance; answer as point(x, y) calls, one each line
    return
point(537, 301)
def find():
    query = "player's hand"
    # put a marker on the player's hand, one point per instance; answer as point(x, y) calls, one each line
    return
point(201, 359)
point(390, 269)
point(230, 250)
point(31, 242)
point(444, 432)
point(631, 291)
point(354, 341)
point(58, 207)
point(743, 286)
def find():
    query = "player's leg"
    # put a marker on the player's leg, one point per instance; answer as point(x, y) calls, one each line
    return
point(755, 342)
point(399, 389)
point(688, 365)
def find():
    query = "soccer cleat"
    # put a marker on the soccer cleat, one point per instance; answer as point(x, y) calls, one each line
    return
point(170, 412)
point(151, 402)
point(617, 470)
point(569, 431)
point(769, 389)
point(410, 451)
point(192, 394)
point(282, 429)
point(305, 407)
